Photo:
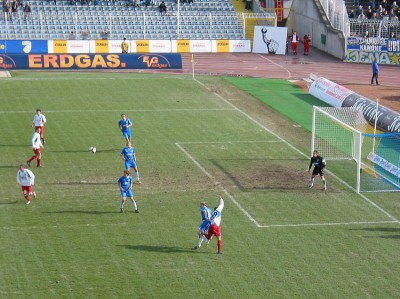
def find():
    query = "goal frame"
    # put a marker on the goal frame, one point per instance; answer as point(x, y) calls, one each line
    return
point(357, 142)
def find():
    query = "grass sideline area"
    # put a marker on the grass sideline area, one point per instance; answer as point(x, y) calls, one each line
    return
point(282, 96)
point(195, 140)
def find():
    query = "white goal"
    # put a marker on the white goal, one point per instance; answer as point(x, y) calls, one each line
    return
point(367, 160)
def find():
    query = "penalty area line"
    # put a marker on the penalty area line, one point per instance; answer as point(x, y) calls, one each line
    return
point(218, 184)
point(328, 224)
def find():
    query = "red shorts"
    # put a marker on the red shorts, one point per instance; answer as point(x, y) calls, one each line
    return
point(214, 230)
point(41, 130)
point(37, 151)
point(28, 189)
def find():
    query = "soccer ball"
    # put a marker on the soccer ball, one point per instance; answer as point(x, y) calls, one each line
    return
point(93, 149)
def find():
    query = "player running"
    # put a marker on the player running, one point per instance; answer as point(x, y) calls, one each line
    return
point(215, 228)
point(124, 125)
point(36, 147)
point(38, 122)
point(26, 179)
point(129, 157)
point(125, 187)
point(319, 165)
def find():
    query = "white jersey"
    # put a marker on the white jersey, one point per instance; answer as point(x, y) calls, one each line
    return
point(39, 120)
point(36, 142)
point(25, 177)
point(217, 214)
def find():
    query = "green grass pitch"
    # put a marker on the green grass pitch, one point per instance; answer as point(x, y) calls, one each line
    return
point(195, 140)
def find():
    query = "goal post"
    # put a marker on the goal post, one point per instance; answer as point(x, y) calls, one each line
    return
point(368, 162)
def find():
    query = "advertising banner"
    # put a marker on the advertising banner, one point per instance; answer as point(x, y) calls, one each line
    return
point(200, 46)
point(182, 46)
point(365, 50)
point(23, 46)
point(339, 96)
point(269, 40)
point(90, 61)
point(239, 46)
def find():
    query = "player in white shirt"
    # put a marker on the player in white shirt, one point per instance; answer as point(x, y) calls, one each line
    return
point(36, 147)
point(26, 179)
point(215, 227)
point(38, 122)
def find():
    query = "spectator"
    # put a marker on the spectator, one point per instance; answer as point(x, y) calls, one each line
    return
point(375, 72)
point(104, 33)
point(27, 11)
point(14, 8)
point(248, 5)
point(359, 10)
point(162, 7)
point(294, 41)
point(352, 14)
point(124, 46)
point(71, 35)
point(85, 34)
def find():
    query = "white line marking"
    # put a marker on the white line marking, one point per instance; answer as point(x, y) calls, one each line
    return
point(278, 65)
point(327, 224)
point(301, 153)
point(108, 110)
point(229, 142)
point(218, 184)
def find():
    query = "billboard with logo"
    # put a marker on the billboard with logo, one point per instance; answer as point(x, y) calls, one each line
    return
point(90, 61)
point(270, 40)
point(23, 46)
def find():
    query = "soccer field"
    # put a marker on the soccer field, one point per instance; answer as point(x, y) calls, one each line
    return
point(195, 140)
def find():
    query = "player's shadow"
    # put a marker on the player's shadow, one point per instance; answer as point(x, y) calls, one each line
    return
point(15, 145)
point(9, 203)
point(10, 166)
point(85, 183)
point(162, 249)
point(111, 150)
point(86, 212)
point(395, 232)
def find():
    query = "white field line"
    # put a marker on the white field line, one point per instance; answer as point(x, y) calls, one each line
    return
point(218, 184)
point(108, 110)
point(327, 224)
point(300, 152)
point(278, 65)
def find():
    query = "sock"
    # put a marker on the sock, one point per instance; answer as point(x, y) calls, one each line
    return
point(137, 175)
point(32, 158)
point(312, 182)
point(219, 245)
point(201, 239)
point(134, 204)
point(324, 182)
point(27, 197)
point(38, 162)
point(122, 204)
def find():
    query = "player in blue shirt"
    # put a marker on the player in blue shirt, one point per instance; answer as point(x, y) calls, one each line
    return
point(125, 187)
point(205, 218)
point(124, 125)
point(129, 157)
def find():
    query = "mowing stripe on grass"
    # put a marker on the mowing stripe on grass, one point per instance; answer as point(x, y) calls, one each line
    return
point(218, 184)
point(132, 110)
point(300, 152)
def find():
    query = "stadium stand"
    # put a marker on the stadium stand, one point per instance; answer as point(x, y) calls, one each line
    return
point(374, 18)
point(202, 19)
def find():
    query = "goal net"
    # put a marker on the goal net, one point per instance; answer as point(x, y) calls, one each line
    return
point(367, 160)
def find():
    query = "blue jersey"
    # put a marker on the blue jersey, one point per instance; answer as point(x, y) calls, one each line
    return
point(127, 153)
point(125, 182)
point(205, 213)
point(124, 124)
